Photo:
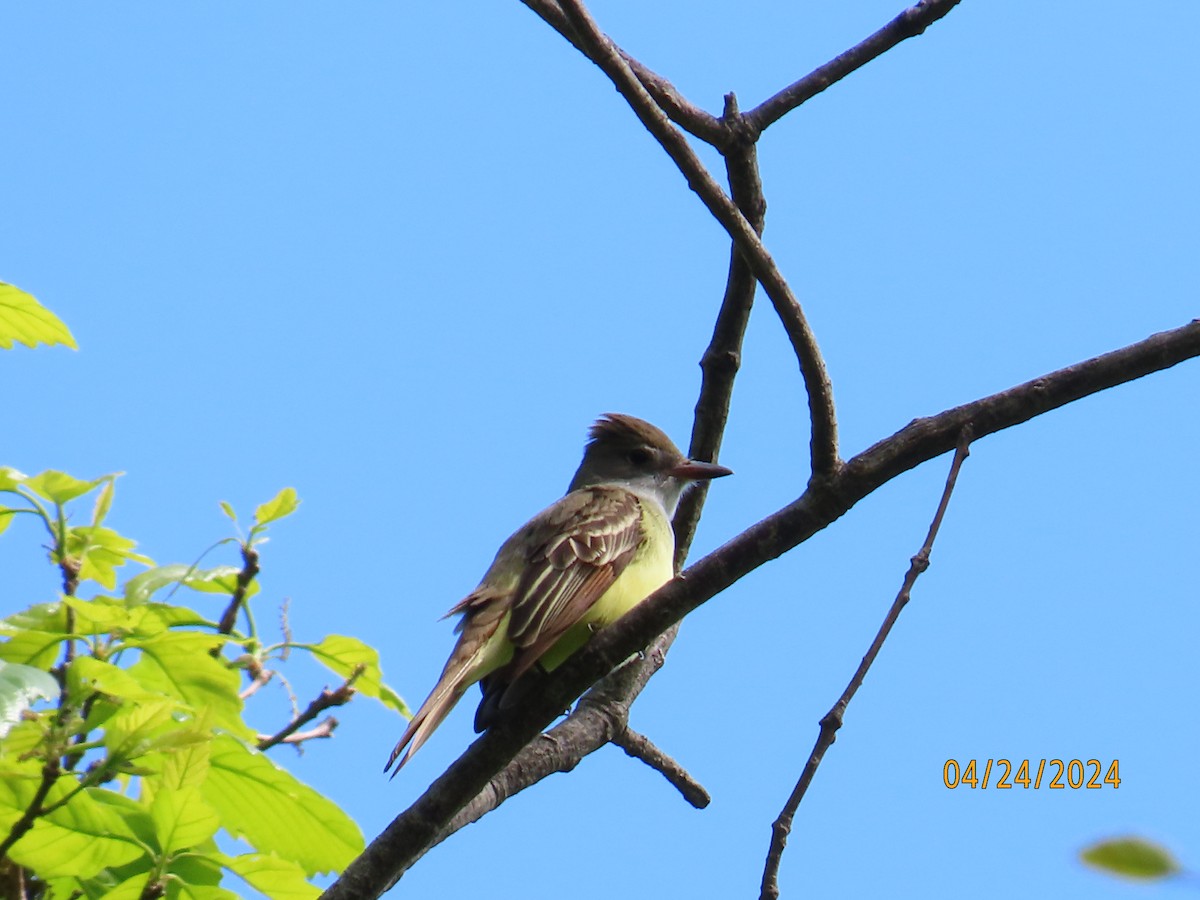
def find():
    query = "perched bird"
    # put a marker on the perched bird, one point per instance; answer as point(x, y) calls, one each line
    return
point(576, 566)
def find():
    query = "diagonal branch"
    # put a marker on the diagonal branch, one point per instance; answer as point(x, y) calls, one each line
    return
point(824, 446)
point(641, 747)
point(683, 112)
point(832, 720)
point(910, 23)
point(412, 832)
point(327, 699)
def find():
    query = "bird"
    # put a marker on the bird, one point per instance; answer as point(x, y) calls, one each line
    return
point(578, 565)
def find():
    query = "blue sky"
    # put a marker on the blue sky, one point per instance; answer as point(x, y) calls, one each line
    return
point(399, 257)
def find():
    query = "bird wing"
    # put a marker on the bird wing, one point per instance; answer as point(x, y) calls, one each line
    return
point(572, 553)
point(582, 545)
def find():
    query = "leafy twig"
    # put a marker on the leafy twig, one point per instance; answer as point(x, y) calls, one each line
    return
point(247, 574)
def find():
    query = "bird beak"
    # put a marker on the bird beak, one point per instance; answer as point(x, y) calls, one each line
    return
point(691, 470)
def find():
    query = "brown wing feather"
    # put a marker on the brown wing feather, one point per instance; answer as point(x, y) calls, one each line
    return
point(585, 549)
point(571, 554)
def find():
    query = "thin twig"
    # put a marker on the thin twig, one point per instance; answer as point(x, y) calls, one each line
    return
point(824, 443)
point(324, 729)
point(641, 747)
point(832, 720)
point(325, 700)
point(910, 23)
point(259, 677)
point(412, 832)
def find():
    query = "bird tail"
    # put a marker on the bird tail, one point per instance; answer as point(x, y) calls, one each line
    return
point(435, 708)
point(471, 660)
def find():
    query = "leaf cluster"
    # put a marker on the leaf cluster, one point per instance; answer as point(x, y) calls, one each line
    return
point(125, 752)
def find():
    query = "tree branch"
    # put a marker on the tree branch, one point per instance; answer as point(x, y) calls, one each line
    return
point(246, 575)
point(327, 699)
point(410, 833)
point(910, 23)
point(832, 720)
point(824, 446)
point(723, 358)
point(641, 747)
point(682, 112)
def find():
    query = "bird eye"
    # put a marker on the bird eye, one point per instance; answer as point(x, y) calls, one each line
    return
point(639, 456)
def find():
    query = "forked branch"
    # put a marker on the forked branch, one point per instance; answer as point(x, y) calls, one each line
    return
point(413, 831)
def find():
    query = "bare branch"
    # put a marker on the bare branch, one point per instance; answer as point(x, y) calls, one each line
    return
point(685, 114)
point(832, 720)
point(641, 747)
point(823, 451)
point(910, 23)
point(327, 699)
point(410, 833)
point(721, 360)
point(259, 676)
point(600, 713)
point(324, 729)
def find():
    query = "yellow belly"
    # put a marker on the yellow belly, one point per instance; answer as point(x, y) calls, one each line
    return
point(652, 566)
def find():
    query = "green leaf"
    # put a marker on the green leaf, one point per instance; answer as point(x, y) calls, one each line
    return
point(22, 739)
point(343, 654)
point(79, 839)
point(104, 500)
point(100, 615)
point(59, 487)
point(197, 869)
point(275, 812)
point(179, 665)
point(179, 889)
point(102, 550)
point(7, 514)
point(136, 817)
point(87, 674)
point(20, 687)
point(155, 618)
point(24, 319)
point(228, 510)
point(130, 731)
point(1132, 858)
point(280, 506)
point(129, 889)
point(187, 767)
point(10, 478)
point(182, 819)
point(218, 580)
point(278, 878)
point(33, 648)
